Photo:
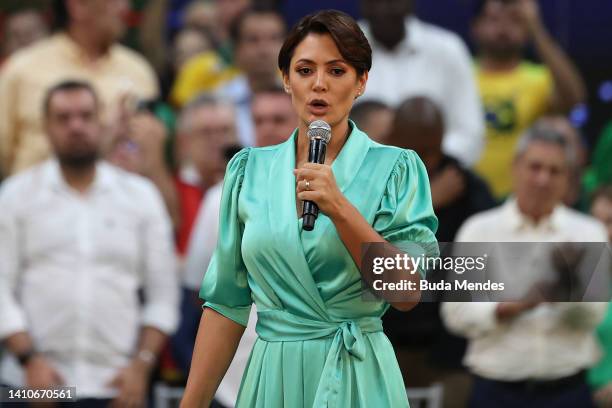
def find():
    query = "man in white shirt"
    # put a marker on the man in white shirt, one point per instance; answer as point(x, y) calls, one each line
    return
point(274, 120)
point(413, 58)
point(532, 353)
point(78, 239)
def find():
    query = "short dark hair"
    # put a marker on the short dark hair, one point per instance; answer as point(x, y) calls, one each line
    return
point(235, 28)
point(350, 40)
point(362, 109)
point(270, 90)
point(67, 86)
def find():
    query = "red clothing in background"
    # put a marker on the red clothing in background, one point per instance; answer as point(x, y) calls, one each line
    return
point(189, 197)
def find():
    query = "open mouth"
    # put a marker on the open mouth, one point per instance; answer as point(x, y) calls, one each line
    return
point(318, 105)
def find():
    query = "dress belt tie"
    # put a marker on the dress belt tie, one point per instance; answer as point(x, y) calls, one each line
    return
point(348, 342)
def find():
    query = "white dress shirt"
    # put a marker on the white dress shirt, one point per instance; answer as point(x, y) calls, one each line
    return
point(201, 247)
point(203, 239)
point(70, 268)
point(434, 63)
point(544, 342)
point(239, 93)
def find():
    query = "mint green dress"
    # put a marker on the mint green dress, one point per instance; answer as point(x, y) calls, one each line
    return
point(319, 343)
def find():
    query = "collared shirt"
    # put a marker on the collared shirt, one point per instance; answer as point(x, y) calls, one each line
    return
point(203, 239)
point(539, 343)
point(434, 63)
point(28, 74)
point(71, 266)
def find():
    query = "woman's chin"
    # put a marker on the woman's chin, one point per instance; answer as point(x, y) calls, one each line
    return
point(318, 116)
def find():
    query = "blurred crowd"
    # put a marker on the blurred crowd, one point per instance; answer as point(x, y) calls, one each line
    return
point(112, 154)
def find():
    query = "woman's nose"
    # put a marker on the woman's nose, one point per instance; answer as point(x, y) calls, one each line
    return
point(320, 82)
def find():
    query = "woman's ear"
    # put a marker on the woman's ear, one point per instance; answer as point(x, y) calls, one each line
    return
point(286, 83)
point(361, 84)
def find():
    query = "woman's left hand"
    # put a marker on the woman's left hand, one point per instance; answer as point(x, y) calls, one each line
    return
point(316, 182)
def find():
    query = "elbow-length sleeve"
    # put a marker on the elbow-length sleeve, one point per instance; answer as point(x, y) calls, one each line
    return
point(405, 217)
point(225, 288)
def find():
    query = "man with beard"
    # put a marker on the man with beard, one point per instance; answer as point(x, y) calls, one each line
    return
point(515, 92)
point(78, 239)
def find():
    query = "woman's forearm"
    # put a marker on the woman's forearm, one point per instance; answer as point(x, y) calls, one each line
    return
point(214, 349)
point(354, 231)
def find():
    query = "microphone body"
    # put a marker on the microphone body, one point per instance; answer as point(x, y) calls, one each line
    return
point(319, 133)
point(310, 211)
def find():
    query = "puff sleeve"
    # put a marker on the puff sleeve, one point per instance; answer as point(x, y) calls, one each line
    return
point(225, 288)
point(405, 216)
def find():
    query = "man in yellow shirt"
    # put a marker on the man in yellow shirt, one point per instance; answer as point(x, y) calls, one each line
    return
point(515, 92)
point(257, 36)
point(203, 73)
point(85, 48)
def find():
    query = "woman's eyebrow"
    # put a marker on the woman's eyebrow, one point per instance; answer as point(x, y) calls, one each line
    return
point(336, 61)
point(309, 61)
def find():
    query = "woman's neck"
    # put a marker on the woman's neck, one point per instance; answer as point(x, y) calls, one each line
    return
point(340, 133)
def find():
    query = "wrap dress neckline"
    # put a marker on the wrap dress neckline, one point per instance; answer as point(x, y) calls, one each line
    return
point(281, 179)
point(320, 343)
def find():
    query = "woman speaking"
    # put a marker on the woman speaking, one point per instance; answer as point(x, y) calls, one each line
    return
point(320, 344)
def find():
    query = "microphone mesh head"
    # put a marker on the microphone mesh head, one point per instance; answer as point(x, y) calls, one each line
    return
point(319, 129)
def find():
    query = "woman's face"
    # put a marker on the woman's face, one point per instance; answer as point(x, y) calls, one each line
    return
point(322, 84)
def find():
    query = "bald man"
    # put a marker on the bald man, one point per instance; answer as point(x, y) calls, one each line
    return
point(425, 351)
point(456, 192)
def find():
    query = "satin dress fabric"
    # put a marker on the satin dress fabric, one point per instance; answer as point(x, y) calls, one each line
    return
point(320, 340)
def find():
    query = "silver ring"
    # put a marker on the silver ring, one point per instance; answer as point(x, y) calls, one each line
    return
point(308, 185)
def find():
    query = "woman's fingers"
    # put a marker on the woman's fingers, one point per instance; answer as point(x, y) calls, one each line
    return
point(315, 182)
point(305, 185)
point(314, 166)
point(302, 173)
point(309, 195)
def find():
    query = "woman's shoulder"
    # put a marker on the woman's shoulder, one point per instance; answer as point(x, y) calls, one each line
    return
point(404, 163)
point(269, 148)
point(398, 154)
point(239, 160)
point(264, 155)
point(250, 159)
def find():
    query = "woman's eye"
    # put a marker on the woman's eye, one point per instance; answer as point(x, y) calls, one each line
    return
point(337, 71)
point(304, 71)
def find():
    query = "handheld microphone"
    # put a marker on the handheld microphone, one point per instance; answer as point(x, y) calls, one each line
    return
point(319, 133)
